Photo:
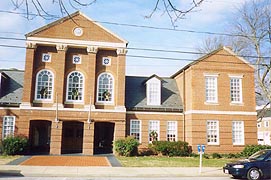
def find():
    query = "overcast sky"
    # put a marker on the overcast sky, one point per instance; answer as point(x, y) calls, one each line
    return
point(211, 16)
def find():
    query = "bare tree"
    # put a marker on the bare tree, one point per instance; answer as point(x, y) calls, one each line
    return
point(250, 37)
point(35, 8)
point(175, 12)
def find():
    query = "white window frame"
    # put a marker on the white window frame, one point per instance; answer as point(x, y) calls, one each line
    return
point(37, 86)
point(100, 92)
point(79, 86)
point(6, 124)
point(154, 92)
point(210, 132)
point(154, 125)
point(211, 90)
point(134, 129)
point(238, 133)
point(172, 131)
point(234, 91)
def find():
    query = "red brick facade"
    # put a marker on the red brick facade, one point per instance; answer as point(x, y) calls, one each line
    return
point(89, 126)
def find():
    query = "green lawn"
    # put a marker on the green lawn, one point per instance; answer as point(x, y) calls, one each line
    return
point(158, 161)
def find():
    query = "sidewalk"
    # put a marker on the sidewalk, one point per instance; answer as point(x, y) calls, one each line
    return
point(62, 171)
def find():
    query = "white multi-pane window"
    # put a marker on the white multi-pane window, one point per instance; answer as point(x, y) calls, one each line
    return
point(8, 126)
point(154, 130)
point(75, 86)
point(105, 88)
point(135, 129)
point(213, 132)
point(154, 92)
point(172, 131)
point(238, 133)
point(236, 89)
point(44, 85)
point(211, 89)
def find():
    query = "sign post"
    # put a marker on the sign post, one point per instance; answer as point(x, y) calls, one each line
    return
point(201, 149)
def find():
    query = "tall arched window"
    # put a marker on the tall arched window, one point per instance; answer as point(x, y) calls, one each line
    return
point(105, 90)
point(75, 86)
point(44, 85)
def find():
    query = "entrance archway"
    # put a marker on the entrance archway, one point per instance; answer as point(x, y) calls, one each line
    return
point(103, 137)
point(72, 137)
point(39, 136)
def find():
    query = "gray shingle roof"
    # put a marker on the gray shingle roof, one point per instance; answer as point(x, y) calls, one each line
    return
point(264, 113)
point(11, 87)
point(135, 97)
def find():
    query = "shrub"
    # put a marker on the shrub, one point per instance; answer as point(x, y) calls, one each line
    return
point(216, 156)
point(251, 149)
point(16, 145)
point(126, 147)
point(168, 148)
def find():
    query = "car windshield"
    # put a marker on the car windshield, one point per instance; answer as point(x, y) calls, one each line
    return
point(260, 155)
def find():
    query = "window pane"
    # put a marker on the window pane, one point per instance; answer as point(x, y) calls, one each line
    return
point(211, 89)
point(212, 132)
point(44, 85)
point(135, 129)
point(105, 88)
point(238, 132)
point(171, 131)
point(236, 95)
point(154, 128)
point(8, 126)
point(75, 87)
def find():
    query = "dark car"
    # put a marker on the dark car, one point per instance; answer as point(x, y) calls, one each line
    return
point(257, 166)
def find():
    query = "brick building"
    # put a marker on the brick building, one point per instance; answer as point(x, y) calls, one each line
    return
point(75, 97)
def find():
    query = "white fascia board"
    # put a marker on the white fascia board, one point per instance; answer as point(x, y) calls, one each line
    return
point(71, 42)
point(153, 113)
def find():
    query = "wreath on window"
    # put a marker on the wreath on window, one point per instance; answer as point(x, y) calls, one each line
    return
point(154, 136)
point(106, 95)
point(44, 92)
point(75, 93)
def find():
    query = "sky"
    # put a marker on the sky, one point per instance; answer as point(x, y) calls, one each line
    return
point(211, 16)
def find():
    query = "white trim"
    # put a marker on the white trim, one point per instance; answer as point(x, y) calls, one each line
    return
point(72, 42)
point(211, 74)
point(221, 112)
point(154, 113)
point(241, 76)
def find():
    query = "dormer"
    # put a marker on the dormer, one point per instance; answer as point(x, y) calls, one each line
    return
point(153, 90)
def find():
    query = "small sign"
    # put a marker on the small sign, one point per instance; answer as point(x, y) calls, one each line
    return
point(203, 148)
point(199, 148)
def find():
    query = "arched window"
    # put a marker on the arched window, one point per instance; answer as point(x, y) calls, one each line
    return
point(105, 90)
point(75, 84)
point(44, 85)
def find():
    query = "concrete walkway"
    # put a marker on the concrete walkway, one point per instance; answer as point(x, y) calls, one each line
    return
point(62, 171)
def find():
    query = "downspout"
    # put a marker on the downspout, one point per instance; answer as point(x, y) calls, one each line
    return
point(184, 105)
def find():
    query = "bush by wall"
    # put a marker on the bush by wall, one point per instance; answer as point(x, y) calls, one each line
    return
point(168, 148)
point(16, 145)
point(251, 149)
point(127, 146)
